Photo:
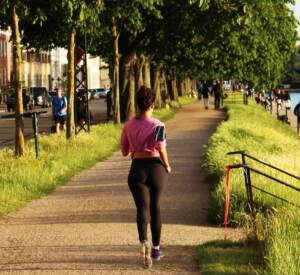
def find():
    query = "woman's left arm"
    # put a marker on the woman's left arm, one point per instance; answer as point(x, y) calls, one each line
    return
point(124, 144)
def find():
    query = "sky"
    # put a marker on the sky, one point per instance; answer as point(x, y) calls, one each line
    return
point(296, 9)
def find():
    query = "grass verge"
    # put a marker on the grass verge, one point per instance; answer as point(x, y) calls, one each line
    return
point(251, 128)
point(25, 179)
point(228, 257)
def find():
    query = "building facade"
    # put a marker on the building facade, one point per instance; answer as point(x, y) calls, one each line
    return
point(5, 60)
point(46, 69)
point(104, 75)
point(36, 69)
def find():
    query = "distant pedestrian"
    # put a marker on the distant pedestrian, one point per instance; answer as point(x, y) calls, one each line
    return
point(59, 110)
point(199, 86)
point(144, 138)
point(297, 114)
point(109, 104)
point(217, 92)
point(205, 94)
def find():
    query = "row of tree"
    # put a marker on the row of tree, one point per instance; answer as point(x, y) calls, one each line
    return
point(162, 44)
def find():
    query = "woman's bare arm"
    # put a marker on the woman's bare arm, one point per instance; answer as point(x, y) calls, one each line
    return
point(164, 157)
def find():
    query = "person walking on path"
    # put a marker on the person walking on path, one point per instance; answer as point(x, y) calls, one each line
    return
point(109, 103)
point(217, 92)
point(205, 94)
point(59, 109)
point(297, 114)
point(144, 139)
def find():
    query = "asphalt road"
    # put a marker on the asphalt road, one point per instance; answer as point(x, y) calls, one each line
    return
point(7, 126)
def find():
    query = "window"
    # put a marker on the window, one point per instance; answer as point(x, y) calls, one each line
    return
point(24, 56)
point(5, 49)
point(1, 43)
point(4, 76)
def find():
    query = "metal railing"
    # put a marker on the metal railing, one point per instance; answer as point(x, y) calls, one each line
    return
point(249, 185)
point(34, 116)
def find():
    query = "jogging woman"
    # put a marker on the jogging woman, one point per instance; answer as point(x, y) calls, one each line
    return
point(144, 139)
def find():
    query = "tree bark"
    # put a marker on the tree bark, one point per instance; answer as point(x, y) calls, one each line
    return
point(180, 87)
point(174, 89)
point(70, 134)
point(116, 84)
point(165, 95)
point(139, 73)
point(19, 122)
point(131, 99)
point(156, 87)
point(146, 74)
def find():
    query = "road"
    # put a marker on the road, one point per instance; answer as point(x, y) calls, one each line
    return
point(7, 126)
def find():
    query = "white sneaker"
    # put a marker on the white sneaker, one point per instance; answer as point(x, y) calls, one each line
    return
point(146, 254)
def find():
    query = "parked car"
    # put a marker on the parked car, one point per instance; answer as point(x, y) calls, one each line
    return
point(52, 94)
point(102, 92)
point(93, 93)
point(27, 100)
point(82, 91)
point(41, 96)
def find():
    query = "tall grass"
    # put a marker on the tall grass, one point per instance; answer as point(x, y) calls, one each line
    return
point(282, 235)
point(252, 129)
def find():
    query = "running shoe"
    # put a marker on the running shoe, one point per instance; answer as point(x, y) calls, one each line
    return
point(157, 254)
point(146, 254)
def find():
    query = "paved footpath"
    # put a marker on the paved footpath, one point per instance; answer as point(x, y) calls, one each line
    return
point(88, 225)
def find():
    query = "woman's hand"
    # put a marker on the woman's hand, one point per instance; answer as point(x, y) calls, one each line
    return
point(168, 169)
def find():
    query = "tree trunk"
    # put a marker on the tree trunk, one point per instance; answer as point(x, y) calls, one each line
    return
point(126, 63)
point(156, 86)
point(184, 87)
point(131, 99)
point(139, 73)
point(124, 83)
point(116, 85)
point(146, 74)
point(180, 87)
point(165, 94)
point(174, 89)
point(71, 85)
point(19, 123)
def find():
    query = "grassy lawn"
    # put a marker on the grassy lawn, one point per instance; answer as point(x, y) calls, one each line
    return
point(251, 128)
point(28, 178)
point(230, 258)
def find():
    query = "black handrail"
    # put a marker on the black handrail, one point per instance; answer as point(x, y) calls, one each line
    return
point(34, 115)
point(247, 169)
point(275, 196)
point(243, 153)
point(272, 178)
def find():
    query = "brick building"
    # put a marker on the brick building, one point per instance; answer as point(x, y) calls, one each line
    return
point(5, 59)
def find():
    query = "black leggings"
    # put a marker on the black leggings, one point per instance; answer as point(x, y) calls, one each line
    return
point(146, 181)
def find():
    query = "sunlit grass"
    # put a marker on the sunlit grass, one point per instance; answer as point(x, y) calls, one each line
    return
point(282, 243)
point(27, 178)
point(228, 257)
point(253, 129)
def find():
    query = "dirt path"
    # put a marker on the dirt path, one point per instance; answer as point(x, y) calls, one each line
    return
point(88, 226)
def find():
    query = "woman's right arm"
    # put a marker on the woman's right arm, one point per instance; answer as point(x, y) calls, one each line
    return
point(164, 157)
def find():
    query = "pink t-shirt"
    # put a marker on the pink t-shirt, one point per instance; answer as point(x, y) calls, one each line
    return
point(140, 135)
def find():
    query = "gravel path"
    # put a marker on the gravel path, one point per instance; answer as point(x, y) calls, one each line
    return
point(88, 225)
